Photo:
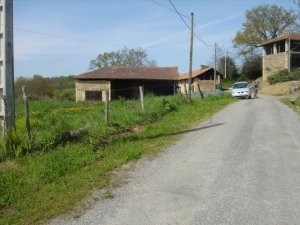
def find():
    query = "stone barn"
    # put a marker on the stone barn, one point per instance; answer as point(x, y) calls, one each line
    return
point(202, 78)
point(124, 82)
point(281, 53)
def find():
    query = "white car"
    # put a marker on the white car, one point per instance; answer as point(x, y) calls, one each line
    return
point(241, 90)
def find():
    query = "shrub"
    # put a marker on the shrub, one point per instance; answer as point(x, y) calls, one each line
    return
point(296, 74)
point(14, 144)
point(64, 94)
point(283, 76)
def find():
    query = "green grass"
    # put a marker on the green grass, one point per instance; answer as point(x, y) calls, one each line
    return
point(43, 184)
point(295, 105)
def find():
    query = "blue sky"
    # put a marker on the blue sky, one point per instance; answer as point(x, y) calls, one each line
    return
point(60, 37)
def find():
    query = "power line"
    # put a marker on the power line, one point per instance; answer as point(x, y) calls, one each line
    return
point(180, 15)
point(166, 7)
point(60, 36)
point(201, 39)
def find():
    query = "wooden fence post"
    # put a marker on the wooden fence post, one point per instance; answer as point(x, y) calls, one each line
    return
point(142, 98)
point(201, 94)
point(26, 112)
point(174, 89)
point(106, 107)
point(185, 90)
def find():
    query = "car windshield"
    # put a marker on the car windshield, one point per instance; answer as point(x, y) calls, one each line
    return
point(240, 85)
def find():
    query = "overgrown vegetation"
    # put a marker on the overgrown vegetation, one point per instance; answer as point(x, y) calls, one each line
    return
point(47, 176)
point(283, 76)
point(251, 68)
point(227, 83)
point(59, 88)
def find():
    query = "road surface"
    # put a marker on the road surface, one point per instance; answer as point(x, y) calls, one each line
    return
point(242, 167)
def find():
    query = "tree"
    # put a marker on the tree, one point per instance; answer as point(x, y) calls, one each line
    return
point(123, 57)
point(263, 23)
point(37, 86)
point(232, 72)
point(252, 67)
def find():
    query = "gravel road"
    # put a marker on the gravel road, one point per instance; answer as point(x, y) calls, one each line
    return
point(242, 167)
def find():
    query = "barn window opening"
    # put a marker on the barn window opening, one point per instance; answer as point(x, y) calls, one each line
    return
point(269, 49)
point(281, 47)
point(295, 46)
point(295, 61)
point(93, 95)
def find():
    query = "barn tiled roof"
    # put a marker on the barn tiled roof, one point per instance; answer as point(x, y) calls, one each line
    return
point(196, 73)
point(128, 72)
point(281, 38)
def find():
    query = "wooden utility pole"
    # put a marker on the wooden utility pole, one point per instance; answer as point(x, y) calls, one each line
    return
point(191, 59)
point(7, 109)
point(215, 70)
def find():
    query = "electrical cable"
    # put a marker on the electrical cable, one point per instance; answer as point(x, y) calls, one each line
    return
point(180, 15)
point(60, 36)
point(201, 39)
point(166, 7)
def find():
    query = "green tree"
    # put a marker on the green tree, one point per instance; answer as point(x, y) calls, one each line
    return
point(123, 57)
point(252, 67)
point(263, 23)
point(37, 86)
point(232, 72)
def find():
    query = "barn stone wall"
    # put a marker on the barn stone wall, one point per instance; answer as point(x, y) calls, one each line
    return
point(273, 63)
point(83, 86)
point(205, 85)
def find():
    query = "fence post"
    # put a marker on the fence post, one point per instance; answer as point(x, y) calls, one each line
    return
point(26, 112)
point(106, 107)
point(185, 91)
point(142, 98)
point(174, 89)
point(201, 94)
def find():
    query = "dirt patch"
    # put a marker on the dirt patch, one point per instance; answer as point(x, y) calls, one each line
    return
point(280, 88)
point(7, 165)
point(104, 141)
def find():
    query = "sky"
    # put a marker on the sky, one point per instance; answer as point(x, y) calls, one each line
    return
point(61, 37)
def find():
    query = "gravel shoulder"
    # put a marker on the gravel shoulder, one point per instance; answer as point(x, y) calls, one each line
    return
point(240, 167)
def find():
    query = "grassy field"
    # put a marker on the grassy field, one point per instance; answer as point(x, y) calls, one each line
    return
point(48, 175)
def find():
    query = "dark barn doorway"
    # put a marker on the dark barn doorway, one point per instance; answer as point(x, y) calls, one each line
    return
point(129, 89)
point(93, 95)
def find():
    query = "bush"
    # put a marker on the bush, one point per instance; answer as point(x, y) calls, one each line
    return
point(280, 76)
point(64, 94)
point(14, 144)
point(296, 74)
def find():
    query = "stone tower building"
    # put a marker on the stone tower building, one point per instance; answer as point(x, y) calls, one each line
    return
point(281, 53)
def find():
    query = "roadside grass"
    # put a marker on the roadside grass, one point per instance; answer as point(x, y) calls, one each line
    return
point(295, 104)
point(43, 184)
